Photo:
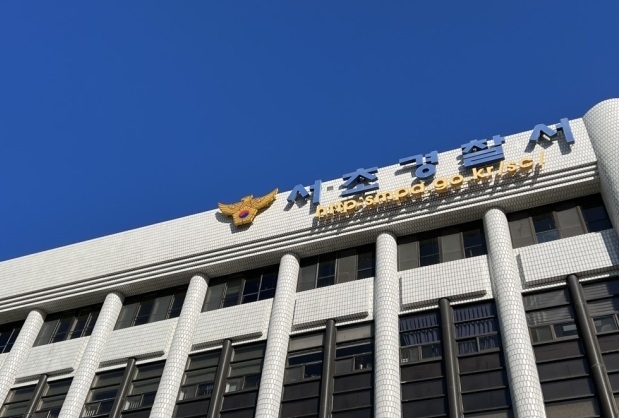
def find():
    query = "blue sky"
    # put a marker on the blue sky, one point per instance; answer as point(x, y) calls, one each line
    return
point(120, 114)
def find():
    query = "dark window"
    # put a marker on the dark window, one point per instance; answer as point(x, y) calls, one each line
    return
point(306, 361)
point(68, 325)
point(103, 393)
point(560, 220)
point(353, 376)
point(199, 376)
point(420, 338)
point(241, 288)
point(144, 386)
point(17, 401)
point(151, 307)
point(8, 335)
point(245, 368)
point(51, 402)
point(339, 267)
point(440, 246)
point(482, 371)
point(561, 364)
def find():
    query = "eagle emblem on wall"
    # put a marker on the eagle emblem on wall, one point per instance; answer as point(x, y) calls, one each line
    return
point(245, 211)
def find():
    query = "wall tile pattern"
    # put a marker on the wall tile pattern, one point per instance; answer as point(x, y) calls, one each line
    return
point(342, 302)
point(52, 359)
point(80, 386)
point(583, 255)
point(20, 350)
point(172, 375)
point(271, 382)
point(387, 399)
point(138, 342)
point(236, 323)
point(602, 123)
point(526, 391)
point(456, 280)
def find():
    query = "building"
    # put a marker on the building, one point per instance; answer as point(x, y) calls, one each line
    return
point(478, 282)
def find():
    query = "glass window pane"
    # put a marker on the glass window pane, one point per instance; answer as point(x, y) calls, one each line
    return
point(214, 297)
point(520, 230)
point(408, 255)
point(467, 346)
point(294, 374)
point(569, 222)
point(199, 361)
point(269, 281)
point(305, 341)
point(108, 378)
point(127, 314)
point(473, 328)
point(245, 368)
point(451, 247)
point(144, 311)
point(58, 387)
point(248, 352)
point(250, 298)
point(101, 394)
point(409, 355)
point(307, 274)
point(199, 376)
point(489, 342)
point(45, 335)
point(565, 330)
point(429, 252)
point(344, 366)
point(596, 218)
point(14, 410)
point(233, 385)
point(347, 266)
point(325, 281)
point(177, 304)
point(605, 324)
point(474, 243)
point(326, 266)
point(147, 371)
point(296, 359)
point(430, 351)
point(20, 394)
point(312, 370)
point(252, 285)
point(545, 228)
point(540, 334)
point(161, 307)
point(251, 381)
point(145, 386)
point(354, 333)
point(80, 324)
point(233, 289)
point(364, 362)
point(62, 330)
point(353, 350)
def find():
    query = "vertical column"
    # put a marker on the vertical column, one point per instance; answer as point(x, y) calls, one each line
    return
point(524, 385)
point(454, 393)
point(592, 349)
point(74, 402)
point(272, 380)
point(328, 367)
point(165, 399)
point(387, 391)
point(36, 397)
point(219, 386)
point(602, 123)
point(123, 389)
point(20, 350)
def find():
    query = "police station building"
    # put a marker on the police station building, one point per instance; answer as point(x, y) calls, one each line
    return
point(477, 282)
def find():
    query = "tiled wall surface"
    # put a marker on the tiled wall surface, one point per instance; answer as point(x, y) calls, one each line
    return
point(455, 280)
point(343, 302)
point(209, 241)
point(138, 342)
point(582, 255)
point(58, 358)
point(242, 322)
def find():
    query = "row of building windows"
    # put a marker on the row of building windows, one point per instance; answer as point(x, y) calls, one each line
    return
point(529, 227)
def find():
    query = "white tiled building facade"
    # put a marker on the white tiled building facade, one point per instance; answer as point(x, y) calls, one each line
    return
point(494, 298)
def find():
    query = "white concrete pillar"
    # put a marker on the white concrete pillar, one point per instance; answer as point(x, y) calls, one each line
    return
point(272, 380)
point(174, 368)
point(89, 363)
point(602, 123)
point(387, 398)
point(20, 350)
point(524, 385)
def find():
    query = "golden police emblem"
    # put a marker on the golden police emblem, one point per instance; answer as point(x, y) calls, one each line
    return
point(245, 211)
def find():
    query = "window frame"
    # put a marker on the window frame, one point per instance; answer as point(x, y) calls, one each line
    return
point(587, 202)
point(14, 328)
point(338, 256)
point(142, 299)
point(243, 362)
point(73, 315)
point(440, 235)
point(243, 277)
point(196, 386)
point(134, 380)
point(95, 387)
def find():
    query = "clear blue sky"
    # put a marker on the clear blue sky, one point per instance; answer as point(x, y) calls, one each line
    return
point(120, 114)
